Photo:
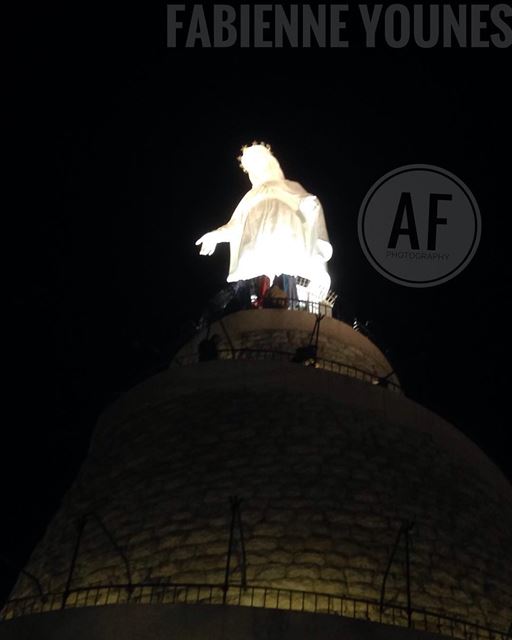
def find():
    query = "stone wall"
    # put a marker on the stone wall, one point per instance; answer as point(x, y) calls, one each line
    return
point(327, 467)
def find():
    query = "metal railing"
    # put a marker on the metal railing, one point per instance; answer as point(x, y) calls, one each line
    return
point(258, 597)
point(287, 356)
point(285, 303)
point(296, 304)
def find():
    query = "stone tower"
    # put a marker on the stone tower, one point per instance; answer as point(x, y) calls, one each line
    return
point(273, 491)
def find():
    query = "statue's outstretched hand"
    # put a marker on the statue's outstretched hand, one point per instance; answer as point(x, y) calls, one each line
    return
point(208, 243)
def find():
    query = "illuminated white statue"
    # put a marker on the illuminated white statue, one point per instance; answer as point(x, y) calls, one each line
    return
point(277, 228)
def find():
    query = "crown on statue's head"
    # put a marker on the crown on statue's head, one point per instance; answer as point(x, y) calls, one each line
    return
point(252, 152)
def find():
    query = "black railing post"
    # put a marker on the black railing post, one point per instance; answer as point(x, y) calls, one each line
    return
point(116, 547)
point(228, 338)
point(80, 527)
point(386, 572)
point(236, 521)
point(230, 550)
point(242, 547)
point(315, 334)
point(407, 529)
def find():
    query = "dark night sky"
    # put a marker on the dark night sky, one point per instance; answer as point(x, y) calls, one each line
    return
point(126, 153)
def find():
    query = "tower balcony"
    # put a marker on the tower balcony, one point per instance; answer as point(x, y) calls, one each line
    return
point(302, 334)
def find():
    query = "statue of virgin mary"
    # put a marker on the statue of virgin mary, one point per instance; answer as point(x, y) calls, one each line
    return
point(277, 228)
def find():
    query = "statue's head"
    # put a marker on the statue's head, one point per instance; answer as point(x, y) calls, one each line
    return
point(260, 164)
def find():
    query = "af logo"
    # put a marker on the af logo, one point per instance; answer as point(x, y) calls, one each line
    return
point(419, 226)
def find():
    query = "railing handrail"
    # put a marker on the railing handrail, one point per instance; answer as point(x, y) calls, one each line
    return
point(288, 304)
point(46, 600)
point(368, 376)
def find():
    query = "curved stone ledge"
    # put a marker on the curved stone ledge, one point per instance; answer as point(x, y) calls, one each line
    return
point(184, 622)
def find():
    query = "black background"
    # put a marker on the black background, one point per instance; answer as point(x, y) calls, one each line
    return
point(125, 153)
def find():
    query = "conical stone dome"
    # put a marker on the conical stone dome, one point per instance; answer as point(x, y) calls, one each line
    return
point(254, 480)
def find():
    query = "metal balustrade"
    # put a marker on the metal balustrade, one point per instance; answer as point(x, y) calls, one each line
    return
point(288, 356)
point(253, 596)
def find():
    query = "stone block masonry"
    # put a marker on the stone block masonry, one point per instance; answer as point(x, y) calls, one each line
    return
point(327, 468)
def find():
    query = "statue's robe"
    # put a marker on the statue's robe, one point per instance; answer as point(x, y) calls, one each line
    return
point(278, 227)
